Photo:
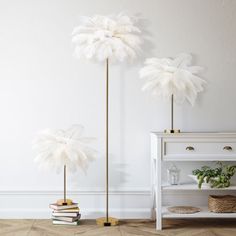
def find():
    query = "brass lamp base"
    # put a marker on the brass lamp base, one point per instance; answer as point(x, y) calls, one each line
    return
point(62, 202)
point(103, 221)
point(172, 131)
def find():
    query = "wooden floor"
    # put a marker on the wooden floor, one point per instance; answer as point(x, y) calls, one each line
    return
point(125, 228)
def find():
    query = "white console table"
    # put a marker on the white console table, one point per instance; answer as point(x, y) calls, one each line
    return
point(187, 149)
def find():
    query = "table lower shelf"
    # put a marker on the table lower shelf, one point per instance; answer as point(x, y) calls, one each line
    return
point(204, 213)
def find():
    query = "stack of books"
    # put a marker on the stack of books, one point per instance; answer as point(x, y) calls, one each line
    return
point(65, 214)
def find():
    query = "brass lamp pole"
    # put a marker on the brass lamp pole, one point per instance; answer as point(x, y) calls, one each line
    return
point(107, 143)
point(107, 221)
point(64, 201)
point(172, 130)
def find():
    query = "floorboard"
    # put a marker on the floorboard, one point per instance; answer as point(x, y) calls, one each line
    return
point(194, 227)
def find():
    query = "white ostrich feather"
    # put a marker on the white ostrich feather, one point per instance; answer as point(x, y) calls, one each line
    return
point(56, 148)
point(101, 37)
point(168, 76)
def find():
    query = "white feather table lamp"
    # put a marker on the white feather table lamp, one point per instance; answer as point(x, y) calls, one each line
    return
point(102, 38)
point(62, 150)
point(173, 79)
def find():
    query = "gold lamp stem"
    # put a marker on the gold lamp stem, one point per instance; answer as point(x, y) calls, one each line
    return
point(172, 112)
point(64, 201)
point(107, 133)
point(65, 185)
point(172, 130)
point(107, 221)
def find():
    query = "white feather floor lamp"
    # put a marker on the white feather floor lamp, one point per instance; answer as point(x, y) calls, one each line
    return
point(105, 38)
point(63, 149)
point(173, 79)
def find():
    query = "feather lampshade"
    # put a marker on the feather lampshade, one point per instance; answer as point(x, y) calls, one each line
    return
point(105, 39)
point(173, 79)
point(63, 149)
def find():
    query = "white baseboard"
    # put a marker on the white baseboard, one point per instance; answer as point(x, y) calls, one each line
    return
point(141, 213)
point(123, 204)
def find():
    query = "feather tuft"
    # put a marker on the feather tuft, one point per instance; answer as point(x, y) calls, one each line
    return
point(169, 76)
point(101, 37)
point(56, 148)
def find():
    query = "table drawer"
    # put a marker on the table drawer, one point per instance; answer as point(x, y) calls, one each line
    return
point(216, 149)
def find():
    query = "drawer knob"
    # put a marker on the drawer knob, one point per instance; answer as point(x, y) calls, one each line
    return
point(228, 148)
point(189, 148)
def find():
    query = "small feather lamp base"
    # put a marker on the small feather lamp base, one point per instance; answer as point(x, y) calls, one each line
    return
point(103, 221)
point(172, 131)
point(62, 202)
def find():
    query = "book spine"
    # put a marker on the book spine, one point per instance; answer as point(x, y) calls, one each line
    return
point(57, 222)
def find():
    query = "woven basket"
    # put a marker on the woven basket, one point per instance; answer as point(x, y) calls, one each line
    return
point(222, 204)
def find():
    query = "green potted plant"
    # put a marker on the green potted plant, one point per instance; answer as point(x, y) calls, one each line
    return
point(216, 177)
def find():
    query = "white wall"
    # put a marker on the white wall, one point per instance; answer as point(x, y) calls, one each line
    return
point(43, 86)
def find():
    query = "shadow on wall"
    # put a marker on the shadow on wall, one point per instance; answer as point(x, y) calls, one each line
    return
point(117, 175)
